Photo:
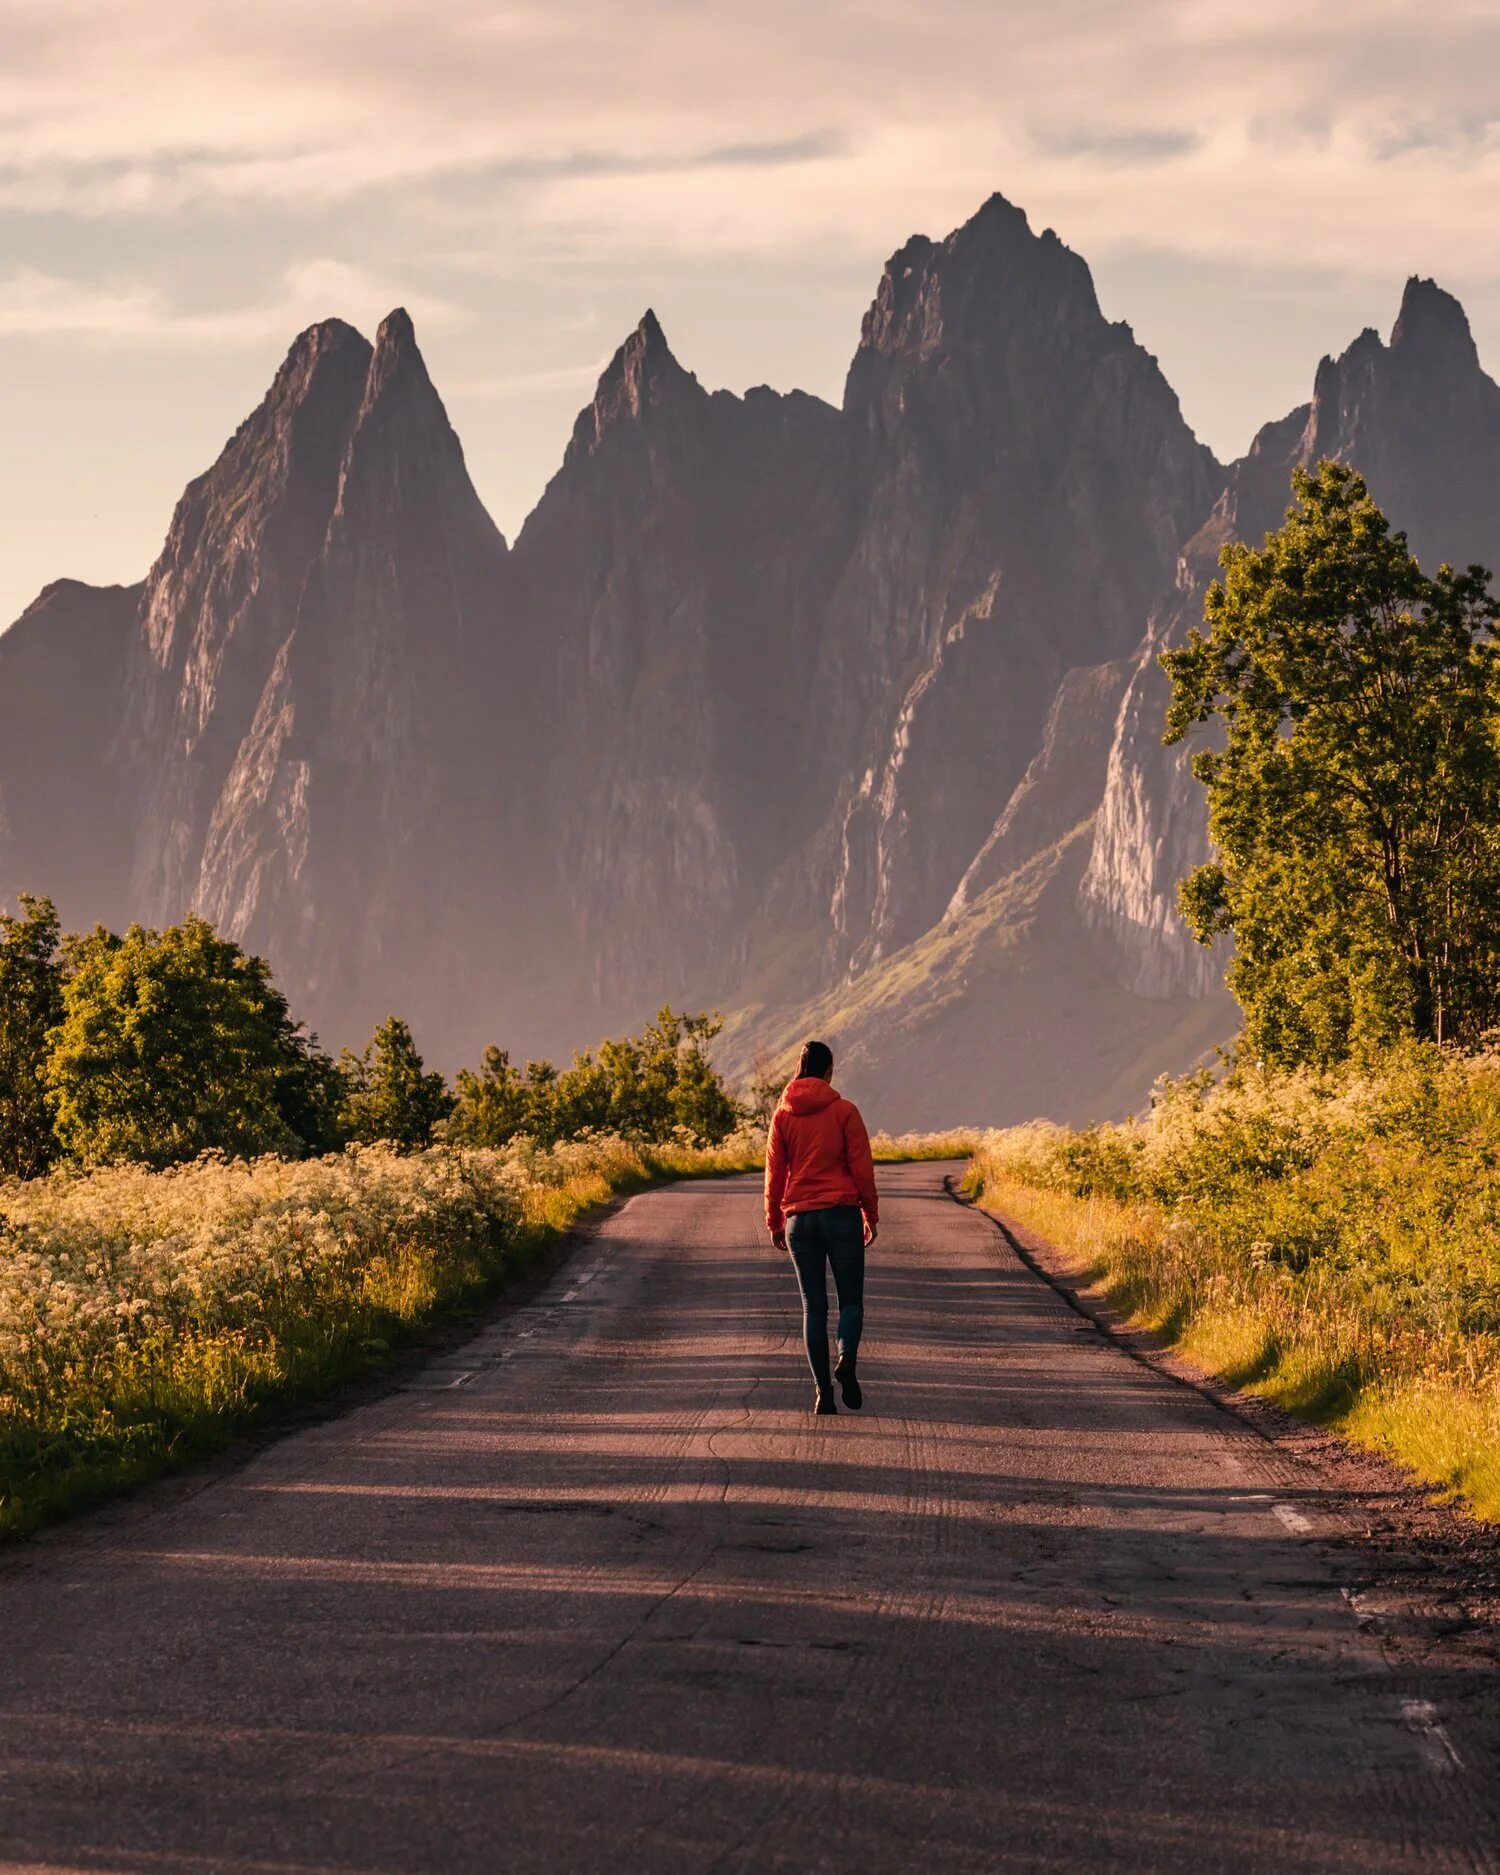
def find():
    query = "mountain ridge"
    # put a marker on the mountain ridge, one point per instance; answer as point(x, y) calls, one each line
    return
point(813, 712)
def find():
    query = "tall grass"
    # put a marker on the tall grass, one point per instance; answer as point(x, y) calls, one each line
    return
point(147, 1316)
point(1330, 1241)
point(913, 1148)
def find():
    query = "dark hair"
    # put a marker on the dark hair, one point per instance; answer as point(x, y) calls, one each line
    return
point(817, 1059)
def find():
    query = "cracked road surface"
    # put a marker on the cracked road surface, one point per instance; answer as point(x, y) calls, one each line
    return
point(593, 1592)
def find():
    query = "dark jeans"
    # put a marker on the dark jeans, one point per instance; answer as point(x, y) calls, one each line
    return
point(835, 1236)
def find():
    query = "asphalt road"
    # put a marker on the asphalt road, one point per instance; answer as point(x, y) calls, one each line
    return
point(596, 1593)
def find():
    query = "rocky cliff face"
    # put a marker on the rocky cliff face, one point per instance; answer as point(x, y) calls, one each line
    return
point(677, 571)
point(1027, 481)
point(1421, 421)
point(804, 656)
point(63, 827)
point(220, 602)
point(302, 716)
point(801, 711)
point(350, 836)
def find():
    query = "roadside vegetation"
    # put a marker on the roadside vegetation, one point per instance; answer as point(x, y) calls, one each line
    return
point(924, 1148)
point(1330, 1239)
point(155, 1046)
point(149, 1316)
point(1320, 1220)
point(206, 1219)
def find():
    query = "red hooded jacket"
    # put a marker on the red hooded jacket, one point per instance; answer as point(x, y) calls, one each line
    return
point(817, 1155)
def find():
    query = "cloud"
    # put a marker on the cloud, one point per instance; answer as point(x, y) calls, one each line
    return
point(39, 305)
point(183, 186)
point(568, 127)
point(1122, 148)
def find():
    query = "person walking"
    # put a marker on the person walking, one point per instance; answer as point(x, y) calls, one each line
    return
point(822, 1206)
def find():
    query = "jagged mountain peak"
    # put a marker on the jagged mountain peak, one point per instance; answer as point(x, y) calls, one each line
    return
point(1002, 250)
point(643, 355)
point(991, 274)
point(1433, 327)
point(1431, 341)
point(270, 489)
point(1002, 223)
point(396, 329)
point(990, 347)
point(997, 207)
point(642, 377)
point(1380, 405)
point(324, 336)
point(1003, 227)
point(403, 439)
point(643, 362)
point(397, 364)
point(330, 349)
point(396, 348)
point(310, 391)
point(404, 454)
point(994, 317)
point(648, 335)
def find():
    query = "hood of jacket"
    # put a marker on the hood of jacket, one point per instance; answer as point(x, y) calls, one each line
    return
point(807, 1094)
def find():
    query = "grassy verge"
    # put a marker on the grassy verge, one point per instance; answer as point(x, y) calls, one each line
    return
point(148, 1317)
point(917, 1148)
point(1332, 1243)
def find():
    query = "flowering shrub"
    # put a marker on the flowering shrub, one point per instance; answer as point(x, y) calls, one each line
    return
point(146, 1314)
point(904, 1148)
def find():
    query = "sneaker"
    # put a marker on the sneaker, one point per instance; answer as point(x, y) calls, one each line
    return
point(823, 1403)
point(848, 1381)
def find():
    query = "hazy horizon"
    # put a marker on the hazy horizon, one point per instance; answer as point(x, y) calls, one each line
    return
point(181, 193)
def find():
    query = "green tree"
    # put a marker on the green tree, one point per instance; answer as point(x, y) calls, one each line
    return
point(171, 1043)
point(649, 1087)
point(390, 1094)
point(1354, 802)
point(31, 985)
point(696, 1098)
point(492, 1103)
point(764, 1091)
point(312, 1096)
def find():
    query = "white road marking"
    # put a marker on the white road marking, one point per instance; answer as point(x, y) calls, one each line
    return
point(1420, 1718)
point(1292, 1519)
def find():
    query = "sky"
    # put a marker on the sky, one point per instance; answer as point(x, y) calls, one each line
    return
point(185, 184)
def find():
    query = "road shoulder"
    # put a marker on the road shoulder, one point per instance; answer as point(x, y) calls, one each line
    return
point(1421, 1576)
